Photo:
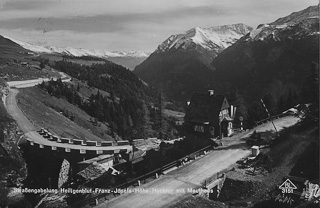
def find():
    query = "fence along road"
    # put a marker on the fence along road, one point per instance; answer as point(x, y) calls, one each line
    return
point(193, 174)
point(30, 132)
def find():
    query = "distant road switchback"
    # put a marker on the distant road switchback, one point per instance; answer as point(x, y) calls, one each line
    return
point(30, 131)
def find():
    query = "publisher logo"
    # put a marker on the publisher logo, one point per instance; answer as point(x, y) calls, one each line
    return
point(287, 187)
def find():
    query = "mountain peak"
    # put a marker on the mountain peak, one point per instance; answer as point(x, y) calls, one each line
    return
point(214, 38)
point(296, 17)
point(299, 23)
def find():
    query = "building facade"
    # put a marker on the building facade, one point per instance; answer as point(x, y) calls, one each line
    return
point(208, 116)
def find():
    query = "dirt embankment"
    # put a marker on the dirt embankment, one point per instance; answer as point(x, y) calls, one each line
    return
point(12, 165)
point(235, 189)
point(12, 168)
point(292, 155)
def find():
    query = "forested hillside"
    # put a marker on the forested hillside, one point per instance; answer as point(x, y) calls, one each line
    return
point(273, 62)
point(127, 105)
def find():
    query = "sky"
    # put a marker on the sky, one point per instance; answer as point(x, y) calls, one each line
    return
point(129, 25)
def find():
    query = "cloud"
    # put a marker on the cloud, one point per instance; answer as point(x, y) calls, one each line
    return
point(111, 22)
point(88, 40)
point(87, 8)
point(130, 24)
point(2, 4)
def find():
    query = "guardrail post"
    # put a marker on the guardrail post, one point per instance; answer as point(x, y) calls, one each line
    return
point(139, 183)
point(97, 202)
point(157, 176)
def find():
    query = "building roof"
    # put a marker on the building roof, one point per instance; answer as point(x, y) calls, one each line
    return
point(92, 172)
point(205, 108)
point(231, 97)
point(137, 156)
point(99, 159)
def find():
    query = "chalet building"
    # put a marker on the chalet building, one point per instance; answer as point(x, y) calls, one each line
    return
point(208, 116)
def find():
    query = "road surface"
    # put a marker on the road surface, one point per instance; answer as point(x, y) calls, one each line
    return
point(193, 174)
point(30, 131)
point(34, 82)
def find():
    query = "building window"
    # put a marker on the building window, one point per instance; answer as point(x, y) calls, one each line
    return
point(211, 130)
point(198, 128)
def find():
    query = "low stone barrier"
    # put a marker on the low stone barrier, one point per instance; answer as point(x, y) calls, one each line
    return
point(91, 143)
point(123, 143)
point(77, 141)
point(104, 144)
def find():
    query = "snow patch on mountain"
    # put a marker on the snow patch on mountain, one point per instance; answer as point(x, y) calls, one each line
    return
point(78, 52)
point(213, 38)
point(274, 30)
point(296, 17)
point(28, 46)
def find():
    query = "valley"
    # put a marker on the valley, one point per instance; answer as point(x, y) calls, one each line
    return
point(221, 115)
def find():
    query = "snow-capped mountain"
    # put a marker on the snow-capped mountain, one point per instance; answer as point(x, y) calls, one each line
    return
point(214, 38)
point(273, 56)
point(127, 59)
point(298, 23)
point(182, 63)
point(79, 51)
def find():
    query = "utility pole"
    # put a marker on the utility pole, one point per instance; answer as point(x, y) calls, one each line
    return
point(49, 183)
point(269, 116)
point(160, 115)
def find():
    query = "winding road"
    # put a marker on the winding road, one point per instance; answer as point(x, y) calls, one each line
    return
point(192, 175)
point(30, 131)
point(164, 190)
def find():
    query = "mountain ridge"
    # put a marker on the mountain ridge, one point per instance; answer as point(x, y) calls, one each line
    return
point(78, 51)
point(272, 61)
point(180, 65)
point(128, 59)
point(208, 38)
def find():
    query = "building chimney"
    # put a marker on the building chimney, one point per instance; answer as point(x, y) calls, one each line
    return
point(231, 111)
point(211, 92)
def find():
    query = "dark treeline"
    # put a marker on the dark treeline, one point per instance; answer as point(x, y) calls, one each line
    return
point(275, 105)
point(130, 108)
point(280, 98)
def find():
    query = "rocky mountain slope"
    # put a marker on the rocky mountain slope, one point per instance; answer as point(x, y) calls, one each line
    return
point(211, 39)
point(273, 58)
point(182, 63)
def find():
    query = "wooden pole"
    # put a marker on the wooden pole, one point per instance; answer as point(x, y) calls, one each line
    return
point(269, 115)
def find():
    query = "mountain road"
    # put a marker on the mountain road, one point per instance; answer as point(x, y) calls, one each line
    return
point(174, 186)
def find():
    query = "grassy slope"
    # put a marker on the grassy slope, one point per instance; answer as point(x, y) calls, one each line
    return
point(44, 111)
point(78, 60)
point(11, 55)
point(10, 51)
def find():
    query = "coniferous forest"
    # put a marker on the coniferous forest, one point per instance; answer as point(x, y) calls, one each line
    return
point(125, 103)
